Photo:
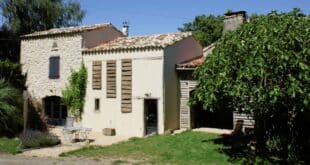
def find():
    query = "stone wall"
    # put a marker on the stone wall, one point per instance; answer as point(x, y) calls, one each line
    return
point(35, 54)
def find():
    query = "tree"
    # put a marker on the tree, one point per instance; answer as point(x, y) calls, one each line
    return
point(10, 109)
point(9, 46)
point(206, 29)
point(74, 94)
point(11, 73)
point(263, 69)
point(27, 16)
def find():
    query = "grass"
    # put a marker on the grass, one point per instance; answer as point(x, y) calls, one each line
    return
point(9, 145)
point(185, 148)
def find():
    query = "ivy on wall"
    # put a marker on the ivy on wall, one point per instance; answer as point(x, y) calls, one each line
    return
point(74, 94)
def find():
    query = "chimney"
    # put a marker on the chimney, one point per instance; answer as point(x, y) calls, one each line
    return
point(233, 20)
point(125, 29)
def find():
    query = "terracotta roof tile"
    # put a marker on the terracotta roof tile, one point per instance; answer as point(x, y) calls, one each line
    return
point(74, 29)
point(150, 41)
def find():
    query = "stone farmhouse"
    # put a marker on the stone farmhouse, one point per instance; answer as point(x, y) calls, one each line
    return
point(136, 85)
point(132, 83)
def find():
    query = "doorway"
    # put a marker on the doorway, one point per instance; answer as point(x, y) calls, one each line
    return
point(150, 116)
point(55, 111)
point(221, 117)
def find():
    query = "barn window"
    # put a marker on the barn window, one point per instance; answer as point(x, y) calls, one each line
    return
point(54, 67)
point(96, 75)
point(126, 104)
point(111, 79)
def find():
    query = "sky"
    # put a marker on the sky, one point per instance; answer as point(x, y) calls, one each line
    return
point(163, 16)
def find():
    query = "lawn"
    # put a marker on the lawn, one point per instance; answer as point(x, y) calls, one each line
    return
point(185, 148)
point(9, 145)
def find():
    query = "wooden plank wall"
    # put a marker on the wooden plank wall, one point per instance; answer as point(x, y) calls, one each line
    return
point(96, 79)
point(111, 79)
point(126, 86)
point(185, 112)
point(248, 121)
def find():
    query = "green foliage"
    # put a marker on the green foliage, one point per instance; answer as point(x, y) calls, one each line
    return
point(74, 94)
point(9, 145)
point(11, 72)
point(36, 139)
point(263, 68)
point(206, 29)
point(10, 108)
point(9, 46)
point(22, 16)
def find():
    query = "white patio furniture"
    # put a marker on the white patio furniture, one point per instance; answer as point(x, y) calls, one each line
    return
point(75, 132)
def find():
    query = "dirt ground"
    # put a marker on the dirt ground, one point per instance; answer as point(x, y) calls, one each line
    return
point(65, 146)
point(27, 160)
point(6, 159)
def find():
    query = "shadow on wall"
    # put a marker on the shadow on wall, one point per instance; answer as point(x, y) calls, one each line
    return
point(36, 120)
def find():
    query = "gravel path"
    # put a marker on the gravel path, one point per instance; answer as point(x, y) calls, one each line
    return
point(96, 138)
point(26, 160)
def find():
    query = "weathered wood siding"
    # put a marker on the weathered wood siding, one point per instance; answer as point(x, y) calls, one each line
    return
point(96, 79)
point(126, 104)
point(248, 121)
point(185, 112)
point(111, 79)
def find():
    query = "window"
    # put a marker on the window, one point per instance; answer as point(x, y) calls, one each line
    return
point(97, 75)
point(126, 86)
point(54, 67)
point(97, 104)
point(111, 79)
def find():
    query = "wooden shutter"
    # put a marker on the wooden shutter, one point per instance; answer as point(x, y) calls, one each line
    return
point(111, 79)
point(126, 105)
point(54, 67)
point(96, 75)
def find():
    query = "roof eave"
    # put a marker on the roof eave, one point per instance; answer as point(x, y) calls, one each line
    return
point(185, 68)
point(120, 49)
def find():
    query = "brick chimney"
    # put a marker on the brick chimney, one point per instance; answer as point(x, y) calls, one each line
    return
point(233, 20)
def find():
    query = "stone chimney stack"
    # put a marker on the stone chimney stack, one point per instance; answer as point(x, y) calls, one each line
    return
point(125, 29)
point(233, 20)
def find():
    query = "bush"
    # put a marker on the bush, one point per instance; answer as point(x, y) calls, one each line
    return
point(10, 109)
point(74, 94)
point(37, 139)
point(9, 145)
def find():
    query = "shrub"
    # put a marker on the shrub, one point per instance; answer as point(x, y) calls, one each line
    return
point(37, 139)
point(74, 94)
point(9, 145)
point(10, 109)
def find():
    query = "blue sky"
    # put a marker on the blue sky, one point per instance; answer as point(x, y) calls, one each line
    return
point(162, 16)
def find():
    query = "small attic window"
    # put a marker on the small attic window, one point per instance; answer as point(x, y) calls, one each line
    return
point(54, 46)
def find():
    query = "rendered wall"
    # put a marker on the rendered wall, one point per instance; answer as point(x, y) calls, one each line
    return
point(147, 74)
point(96, 37)
point(184, 50)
